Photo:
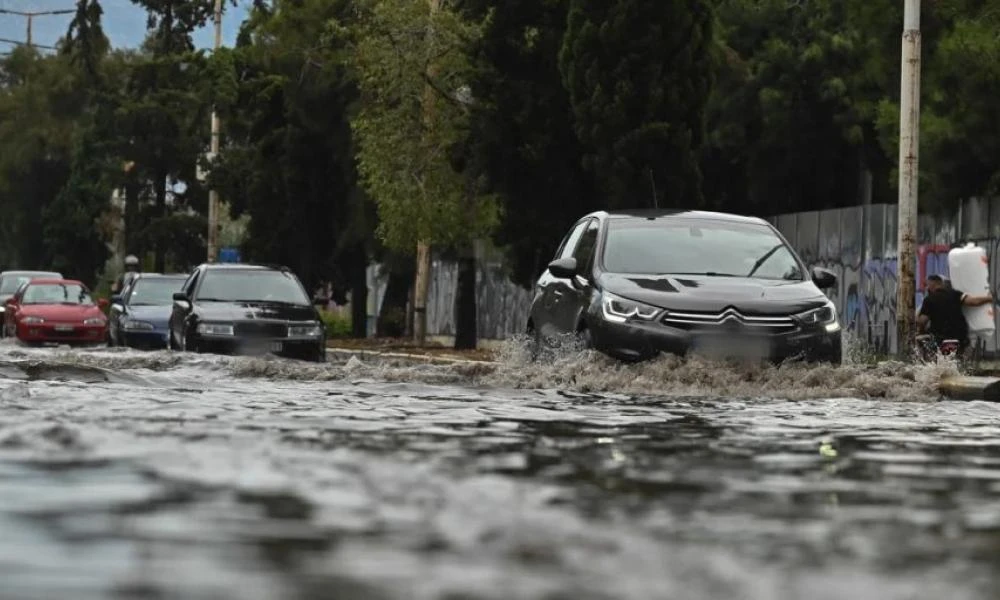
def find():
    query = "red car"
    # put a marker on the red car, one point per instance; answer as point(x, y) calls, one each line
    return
point(55, 310)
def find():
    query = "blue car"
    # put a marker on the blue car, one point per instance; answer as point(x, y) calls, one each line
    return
point(139, 315)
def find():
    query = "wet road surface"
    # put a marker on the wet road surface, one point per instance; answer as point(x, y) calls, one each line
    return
point(157, 475)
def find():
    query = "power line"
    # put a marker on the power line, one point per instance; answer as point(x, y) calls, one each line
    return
point(19, 43)
point(31, 15)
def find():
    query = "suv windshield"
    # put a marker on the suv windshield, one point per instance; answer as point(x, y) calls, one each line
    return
point(252, 286)
point(698, 247)
point(155, 291)
point(56, 293)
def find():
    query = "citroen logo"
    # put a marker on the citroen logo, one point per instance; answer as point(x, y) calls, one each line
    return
point(731, 315)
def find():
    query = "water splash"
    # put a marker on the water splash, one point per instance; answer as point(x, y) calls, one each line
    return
point(561, 364)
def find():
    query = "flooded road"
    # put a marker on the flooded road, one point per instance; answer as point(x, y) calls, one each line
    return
point(157, 475)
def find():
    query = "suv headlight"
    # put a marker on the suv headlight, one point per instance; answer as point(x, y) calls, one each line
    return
point(824, 315)
point(311, 329)
point(618, 309)
point(215, 329)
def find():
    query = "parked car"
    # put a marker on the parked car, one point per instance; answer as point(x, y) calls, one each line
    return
point(10, 281)
point(55, 310)
point(140, 315)
point(633, 284)
point(242, 308)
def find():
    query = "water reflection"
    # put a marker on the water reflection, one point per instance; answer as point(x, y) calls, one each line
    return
point(172, 478)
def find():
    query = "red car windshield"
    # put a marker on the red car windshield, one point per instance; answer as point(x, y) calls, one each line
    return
point(56, 293)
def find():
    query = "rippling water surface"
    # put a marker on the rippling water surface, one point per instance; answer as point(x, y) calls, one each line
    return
point(159, 475)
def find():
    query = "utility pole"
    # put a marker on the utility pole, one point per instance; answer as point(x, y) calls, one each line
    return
point(213, 194)
point(909, 146)
point(32, 15)
point(421, 283)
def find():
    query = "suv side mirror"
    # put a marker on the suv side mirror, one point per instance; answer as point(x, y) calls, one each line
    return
point(180, 297)
point(823, 278)
point(116, 299)
point(563, 268)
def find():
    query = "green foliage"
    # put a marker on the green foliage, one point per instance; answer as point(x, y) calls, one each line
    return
point(792, 117)
point(960, 119)
point(337, 326)
point(413, 121)
point(285, 98)
point(524, 144)
point(638, 74)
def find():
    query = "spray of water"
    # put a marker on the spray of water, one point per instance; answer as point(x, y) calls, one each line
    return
point(560, 364)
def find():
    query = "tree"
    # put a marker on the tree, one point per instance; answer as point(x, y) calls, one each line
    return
point(40, 104)
point(412, 64)
point(163, 120)
point(523, 138)
point(638, 74)
point(792, 117)
point(960, 132)
point(285, 97)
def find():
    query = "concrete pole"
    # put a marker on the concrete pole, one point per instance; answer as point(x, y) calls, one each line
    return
point(421, 284)
point(213, 194)
point(909, 146)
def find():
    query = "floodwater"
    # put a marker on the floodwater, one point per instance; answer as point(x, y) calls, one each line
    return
point(126, 474)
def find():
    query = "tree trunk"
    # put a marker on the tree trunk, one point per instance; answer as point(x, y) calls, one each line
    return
point(359, 298)
point(392, 314)
point(131, 212)
point(420, 289)
point(465, 301)
point(160, 185)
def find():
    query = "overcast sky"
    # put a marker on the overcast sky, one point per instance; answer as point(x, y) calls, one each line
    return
point(124, 23)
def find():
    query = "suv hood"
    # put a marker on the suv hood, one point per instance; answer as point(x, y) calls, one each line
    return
point(233, 311)
point(701, 293)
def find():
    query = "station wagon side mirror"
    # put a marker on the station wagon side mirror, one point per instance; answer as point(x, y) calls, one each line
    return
point(116, 299)
point(823, 278)
point(180, 297)
point(563, 268)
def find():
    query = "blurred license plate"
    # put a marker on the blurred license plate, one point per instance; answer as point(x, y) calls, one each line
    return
point(64, 328)
point(731, 347)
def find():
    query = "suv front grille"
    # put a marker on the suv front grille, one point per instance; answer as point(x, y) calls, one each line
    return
point(254, 329)
point(729, 319)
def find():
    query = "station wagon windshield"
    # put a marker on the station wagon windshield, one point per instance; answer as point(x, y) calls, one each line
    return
point(252, 286)
point(698, 247)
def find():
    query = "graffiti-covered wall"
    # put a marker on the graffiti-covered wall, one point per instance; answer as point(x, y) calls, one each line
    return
point(857, 243)
point(502, 306)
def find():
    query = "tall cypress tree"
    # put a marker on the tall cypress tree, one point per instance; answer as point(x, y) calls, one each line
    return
point(639, 73)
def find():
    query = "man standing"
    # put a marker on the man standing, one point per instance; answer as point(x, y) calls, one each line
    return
point(941, 313)
point(131, 268)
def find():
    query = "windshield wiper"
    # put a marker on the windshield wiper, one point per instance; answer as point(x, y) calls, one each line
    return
point(763, 259)
point(281, 302)
point(702, 274)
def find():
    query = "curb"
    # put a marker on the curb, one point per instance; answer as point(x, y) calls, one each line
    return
point(424, 358)
point(964, 387)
